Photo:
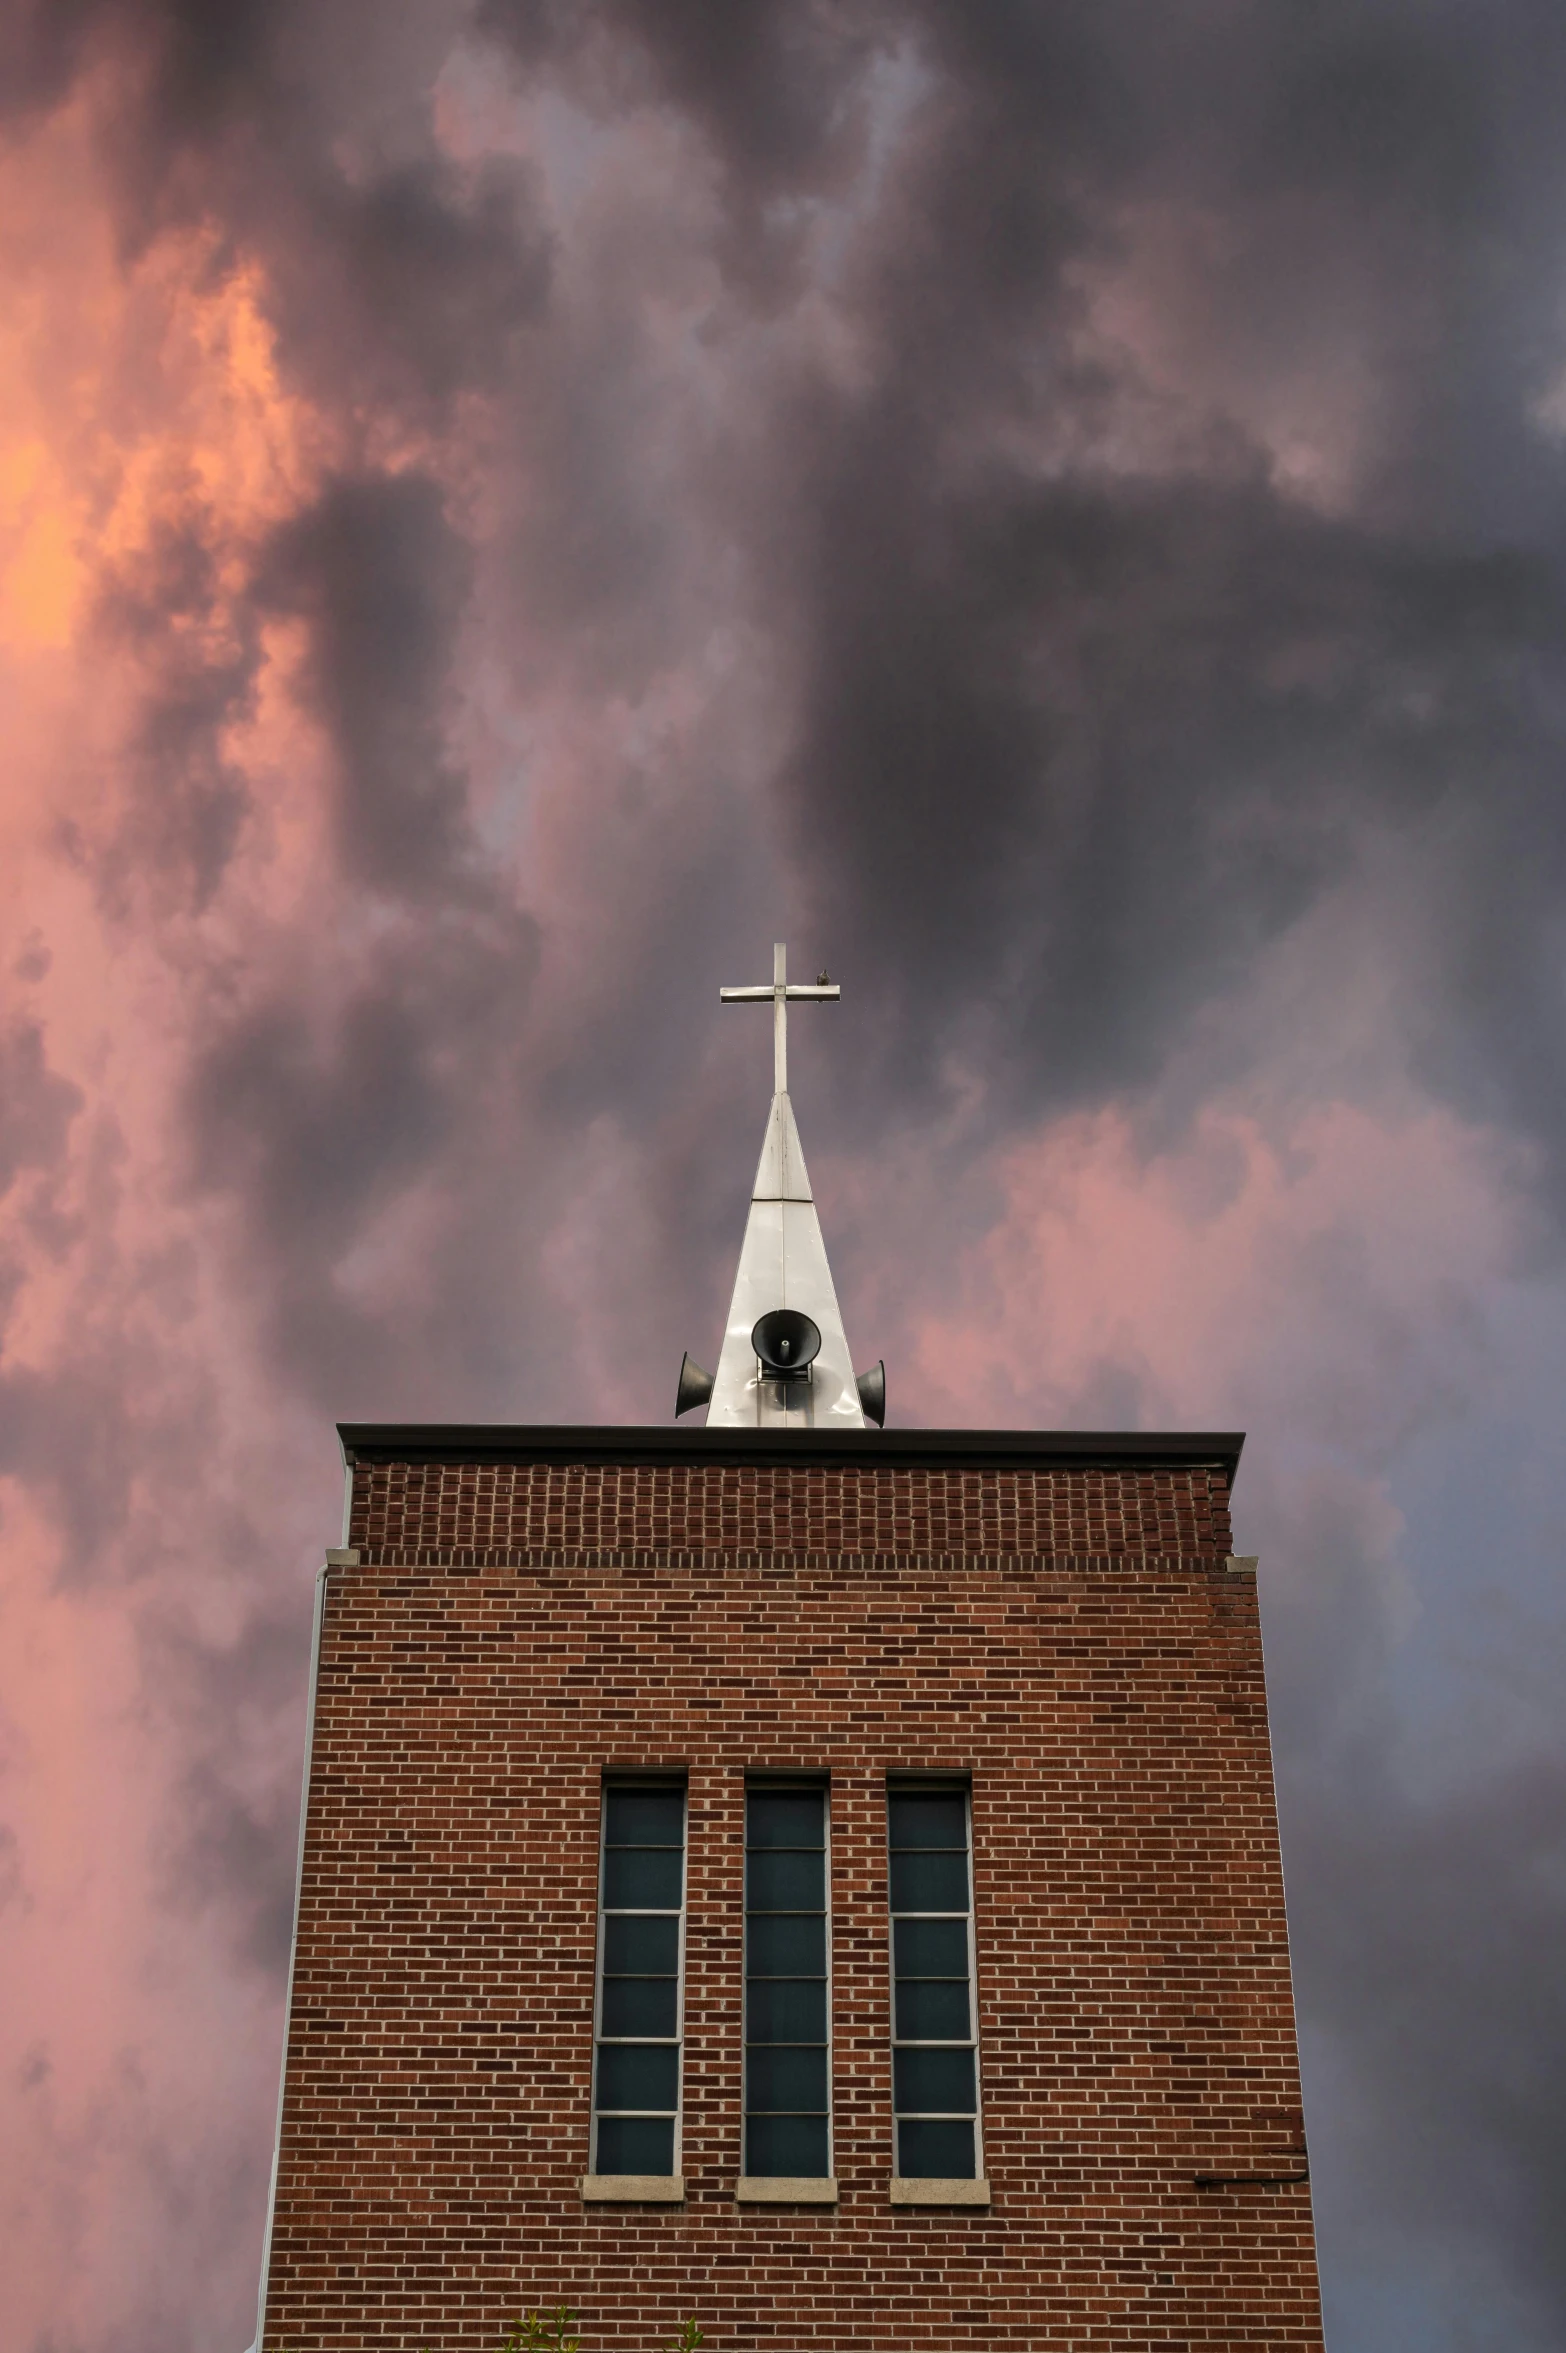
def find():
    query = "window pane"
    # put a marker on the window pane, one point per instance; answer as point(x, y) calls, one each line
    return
point(786, 2010)
point(930, 2010)
point(640, 1947)
point(638, 2075)
point(934, 2059)
point(640, 2006)
point(930, 1948)
point(637, 2061)
point(785, 1882)
point(786, 2145)
point(642, 1879)
point(777, 1945)
point(644, 1817)
point(635, 2144)
point(927, 2079)
point(777, 1817)
point(786, 2068)
point(780, 2076)
point(918, 1821)
point(929, 1883)
point(935, 2152)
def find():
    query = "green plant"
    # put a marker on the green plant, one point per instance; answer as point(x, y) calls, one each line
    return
point(545, 2332)
point(555, 2332)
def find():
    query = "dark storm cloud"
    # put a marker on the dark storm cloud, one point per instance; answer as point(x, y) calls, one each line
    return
point(186, 801)
point(1093, 755)
point(776, 88)
point(319, 1107)
point(444, 276)
point(1091, 743)
point(318, 1113)
point(1070, 745)
point(316, 1131)
point(92, 1452)
point(197, 63)
point(395, 278)
point(381, 578)
point(37, 1105)
point(1430, 1964)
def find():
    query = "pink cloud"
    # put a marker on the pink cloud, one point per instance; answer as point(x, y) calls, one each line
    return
point(1321, 1266)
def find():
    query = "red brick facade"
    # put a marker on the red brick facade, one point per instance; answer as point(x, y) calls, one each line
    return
point(443, 1508)
point(1069, 1632)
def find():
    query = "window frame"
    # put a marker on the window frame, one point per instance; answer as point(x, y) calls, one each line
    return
point(610, 1783)
point(784, 1784)
point(916, 1784)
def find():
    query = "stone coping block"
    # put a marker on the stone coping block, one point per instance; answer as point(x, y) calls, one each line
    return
point(785, 2189)
point(909, 2192)
point(634, 2189)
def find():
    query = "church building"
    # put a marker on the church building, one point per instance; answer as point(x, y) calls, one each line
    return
point(816, 1878)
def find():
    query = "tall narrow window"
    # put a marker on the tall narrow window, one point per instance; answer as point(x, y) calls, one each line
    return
point(935, 2072)
point(787, 2107)
point(636, 2072)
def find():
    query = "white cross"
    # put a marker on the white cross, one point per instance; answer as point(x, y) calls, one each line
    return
point(824, 992)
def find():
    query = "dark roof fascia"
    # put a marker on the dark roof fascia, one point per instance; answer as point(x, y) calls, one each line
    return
point(960, 1449)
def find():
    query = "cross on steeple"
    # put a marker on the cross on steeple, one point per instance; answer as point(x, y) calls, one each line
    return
point(780, 996)
point(784, 1364)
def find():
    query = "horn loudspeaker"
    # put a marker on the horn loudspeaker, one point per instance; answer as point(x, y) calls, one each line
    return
point(695, 1386)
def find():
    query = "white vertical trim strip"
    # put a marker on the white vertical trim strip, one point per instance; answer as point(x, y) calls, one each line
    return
point(679, 1983)
point(973, 1992)
point(826, 1902)
point(598, 1983)
point(293, 1945)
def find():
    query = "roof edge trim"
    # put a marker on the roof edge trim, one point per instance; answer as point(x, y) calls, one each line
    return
point(657, 1442)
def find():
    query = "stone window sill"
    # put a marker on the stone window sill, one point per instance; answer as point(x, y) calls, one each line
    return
point(909, 2192)
point(633, 2189)
point(784, 2189)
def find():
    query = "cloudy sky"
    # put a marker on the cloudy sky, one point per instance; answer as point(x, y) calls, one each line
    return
point(1055, 507)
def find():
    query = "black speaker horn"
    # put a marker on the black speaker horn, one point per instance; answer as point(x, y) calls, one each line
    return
point(872, 1394)
point(695, 1386)
point(787, 1343)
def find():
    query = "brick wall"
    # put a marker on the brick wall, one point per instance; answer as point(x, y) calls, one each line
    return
point(510, 1629)
point(457, 1506)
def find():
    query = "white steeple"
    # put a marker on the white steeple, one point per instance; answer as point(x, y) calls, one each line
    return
point(783, 1265)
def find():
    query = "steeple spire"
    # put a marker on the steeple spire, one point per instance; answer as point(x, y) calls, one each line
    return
point(785, 1361)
